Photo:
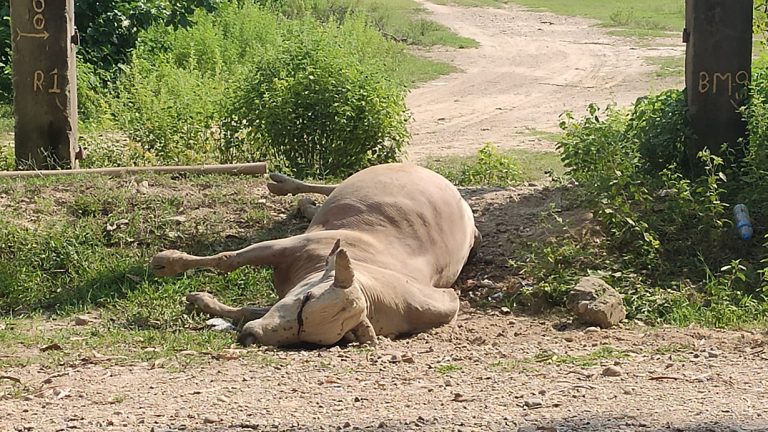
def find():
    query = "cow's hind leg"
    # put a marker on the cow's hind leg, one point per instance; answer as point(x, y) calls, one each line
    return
point(308, 208)
point(475, 245)
point(208, 304)
point(283, 185)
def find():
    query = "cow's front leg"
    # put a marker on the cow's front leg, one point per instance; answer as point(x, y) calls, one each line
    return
point(208, 304)
point(271, 253)
point(284, 185)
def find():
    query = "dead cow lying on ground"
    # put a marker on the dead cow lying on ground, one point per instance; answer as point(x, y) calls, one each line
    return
point(398, 236)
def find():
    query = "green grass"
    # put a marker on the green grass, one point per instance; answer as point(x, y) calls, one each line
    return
point(406, 21)
point(668, 66)
point(632, 18)
point(592, 359)
point(552, 137)
point(523, 166)
point(447, 368)
point(474, 3)
point(72, 245)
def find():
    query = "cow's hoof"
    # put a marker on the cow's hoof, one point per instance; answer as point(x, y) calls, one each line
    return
point(246, 339)
point(281, 185)
point(201, 300)
point(166, 263)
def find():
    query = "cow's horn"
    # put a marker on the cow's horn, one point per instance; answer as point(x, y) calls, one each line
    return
point(344, 273)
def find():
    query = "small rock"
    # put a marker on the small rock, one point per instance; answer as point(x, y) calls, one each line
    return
point(382, 425)
point(143, 187)
point(613, 371)
point(223, 399)
point(486, 283)
point(458, 397)
point(592, 330)
point(594, 302)
point(347, 425)
point(82, 320)
point(505, 310)
point(209, 419)
point(51, 347)
point(713, 354)
point(533, 403)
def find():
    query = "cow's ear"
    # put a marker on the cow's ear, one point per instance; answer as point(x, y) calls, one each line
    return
point(330, 259)
point(344, 274)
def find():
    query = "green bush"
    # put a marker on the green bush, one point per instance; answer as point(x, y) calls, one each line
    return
point(661, 128)
point(319, 104)
point(315, 98)
point(173, 96)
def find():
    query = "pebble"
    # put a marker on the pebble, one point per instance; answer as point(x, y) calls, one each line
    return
point(209, 419)
point(613, 371)
point(713, 354)
point(592, 330)
point(533, 403)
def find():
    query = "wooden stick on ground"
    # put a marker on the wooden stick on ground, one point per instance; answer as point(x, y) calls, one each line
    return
point(235, 169)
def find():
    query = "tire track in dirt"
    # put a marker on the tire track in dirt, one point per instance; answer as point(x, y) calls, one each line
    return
point(530, 67)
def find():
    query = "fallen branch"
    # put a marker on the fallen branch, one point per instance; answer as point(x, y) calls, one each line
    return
point(665, 377)
point(10, 378)
point(235, 169)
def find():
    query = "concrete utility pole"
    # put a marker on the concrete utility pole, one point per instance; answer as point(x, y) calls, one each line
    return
point(718, 68)
point(45, 83)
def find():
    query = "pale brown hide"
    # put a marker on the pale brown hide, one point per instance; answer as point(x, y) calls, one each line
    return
point(405, 233)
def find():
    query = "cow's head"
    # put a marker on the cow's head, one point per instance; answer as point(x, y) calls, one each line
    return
point(319, 310)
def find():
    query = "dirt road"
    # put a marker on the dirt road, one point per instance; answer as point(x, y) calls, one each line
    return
point(487, 373)
point(529, 68)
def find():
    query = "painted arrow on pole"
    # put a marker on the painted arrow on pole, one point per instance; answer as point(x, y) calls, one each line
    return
point(44, 35)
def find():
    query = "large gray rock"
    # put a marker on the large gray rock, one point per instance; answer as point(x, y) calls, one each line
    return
point(594, 302)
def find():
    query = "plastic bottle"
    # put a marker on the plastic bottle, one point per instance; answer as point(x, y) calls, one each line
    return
point(743, 224)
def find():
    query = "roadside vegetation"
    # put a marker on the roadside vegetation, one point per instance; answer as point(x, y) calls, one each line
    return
point(209, 81)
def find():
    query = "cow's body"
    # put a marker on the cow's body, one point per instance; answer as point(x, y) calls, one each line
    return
point(398, 235)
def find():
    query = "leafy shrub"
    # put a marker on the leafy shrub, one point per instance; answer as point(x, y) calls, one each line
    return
point(172, 97)
point(660, 125)
point(244, 83)
point(318, 106)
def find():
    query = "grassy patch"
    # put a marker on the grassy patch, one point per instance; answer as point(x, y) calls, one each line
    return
point(497, 168)
point(592, 359)
point(447, 368)
point(544, 135)
point(668, 66)
point(474, 3)
point(603, 353)
point(405, 20)
point(75, 245)
point(69, 244)
point(633, 18)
